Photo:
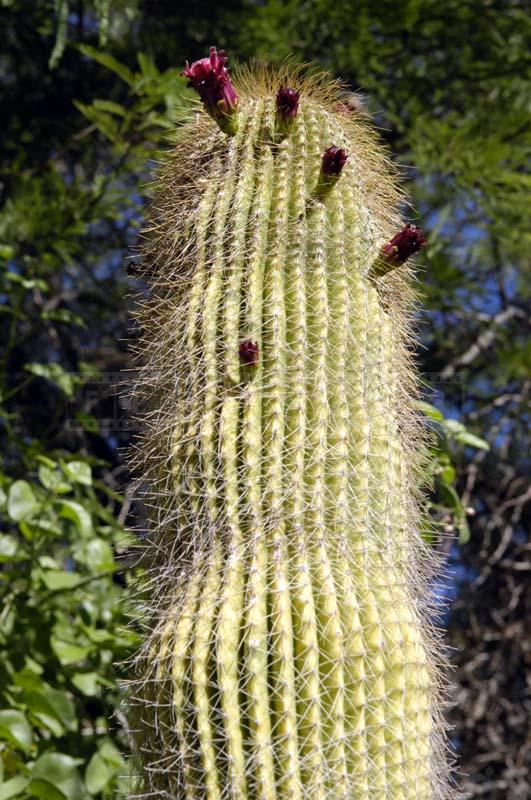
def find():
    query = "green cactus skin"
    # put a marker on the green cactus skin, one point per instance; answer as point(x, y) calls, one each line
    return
point(289, 655)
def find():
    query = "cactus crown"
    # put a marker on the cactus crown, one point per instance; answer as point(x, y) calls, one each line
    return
point(287, 653)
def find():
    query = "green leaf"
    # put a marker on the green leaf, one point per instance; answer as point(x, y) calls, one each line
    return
point(39, 525)
point(64, 707)
point(53, 708)
point(6, 251)
point(448, 474)
point(111, 754)
point(15, 729)
point(53, 480)
point(8, 548)
point(60, 771)
point(27, 283)
point(453, 426)
point(109, 62)
point(98, 773)
point(110, 106)
point(38, 787)
point(61, 33)
point(451, 499)
point(48, 562)
point(87, 421)
point(55, 374)
point(59, 579)
point(64, 315)
point(13, 787)
point(79, 472)
point(105, 123)
point(97, 555)
point(29, 677)
point(86, 682)
point(78, 515)
point(48, 462)
point(68, 652)
point(99, 635)
point(147, 67)
point(470, 440)
point(21, 502)
point(429, 411)
point(464, 530)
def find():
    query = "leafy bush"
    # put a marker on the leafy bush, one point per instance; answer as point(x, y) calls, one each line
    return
point(62, 629)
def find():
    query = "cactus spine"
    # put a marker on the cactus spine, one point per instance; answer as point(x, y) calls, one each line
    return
point(288, 656)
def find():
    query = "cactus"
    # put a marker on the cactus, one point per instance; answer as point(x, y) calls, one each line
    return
point(288, 653)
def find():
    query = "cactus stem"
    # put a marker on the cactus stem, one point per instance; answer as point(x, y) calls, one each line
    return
point(210, 312)
point(304, 613)
point(256, 627)
point(289, 657)
point(201, 676)
point(185, 430)
point(182, 687)
point(328, 622)
point(232, 601)
point(284, 722)
point(338, 480)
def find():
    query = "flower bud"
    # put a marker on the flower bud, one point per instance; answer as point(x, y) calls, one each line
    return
point(404, 244)
point(248, 353)
point(210, 78)
point(396, 252)
point(287, 105)
point(332, 162)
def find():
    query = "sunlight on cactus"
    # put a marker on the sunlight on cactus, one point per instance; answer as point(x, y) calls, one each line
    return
point(288, 652)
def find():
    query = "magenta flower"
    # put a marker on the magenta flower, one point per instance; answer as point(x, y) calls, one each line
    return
point(333, 161)
point(287, 104)
point(210, 78)
point(248, 353)
point(403, 245)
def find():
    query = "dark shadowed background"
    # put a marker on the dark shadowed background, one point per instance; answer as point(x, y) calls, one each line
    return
point(90, 93)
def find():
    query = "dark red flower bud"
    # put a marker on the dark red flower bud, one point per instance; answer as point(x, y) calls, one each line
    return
point(210, 78)
point(333, 161)
point(287, 104)
point(403, 245)
point(248, 353)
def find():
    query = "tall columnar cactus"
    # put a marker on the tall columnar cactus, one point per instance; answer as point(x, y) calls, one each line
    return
point(288, 655)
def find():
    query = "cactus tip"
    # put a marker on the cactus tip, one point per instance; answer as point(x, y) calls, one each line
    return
point(210, 78)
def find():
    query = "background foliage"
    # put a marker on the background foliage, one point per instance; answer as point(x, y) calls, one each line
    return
point(90, 91)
